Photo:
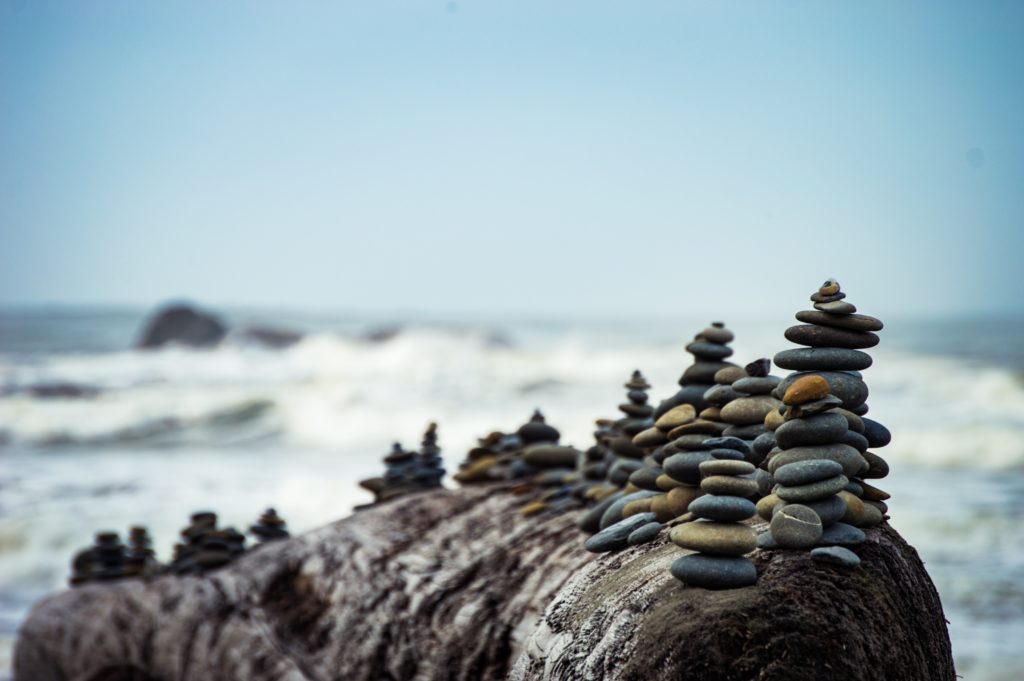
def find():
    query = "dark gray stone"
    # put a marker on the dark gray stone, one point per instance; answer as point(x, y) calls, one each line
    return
point(818, 297)
point(748, 432)
point(684, 466)
point(591, 520)
point(877, 466)
point(614, 512)
point(729, 454)
point(707, 350)
point(766, 542)
point(644, 533)
point(876, 434)
point(829, 337)
point(645, 478)
point(804, 472)
point(855, 440)
point(722, 507)
point(841, 534)
point(819, 429)
point(854, 322)
point(853, 463)
point(726, 443)
point(720, 394)
point(714, 572)
point(756, 385)
point(822, 359)
point(835, 555)
point(616, 536)
point(763, 444)
point(812, 491)
point(796, 527)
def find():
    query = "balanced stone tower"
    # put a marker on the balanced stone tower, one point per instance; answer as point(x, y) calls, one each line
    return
point(834, 337)
point(719, 536)
point(429, 469)
point(811, 470)
point(205, 546)
point(709, 348)
point(105, 560)
point(142, 560)
point(269, 527)
point(638, 417)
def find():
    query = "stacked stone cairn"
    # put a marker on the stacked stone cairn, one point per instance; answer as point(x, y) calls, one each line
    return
point(709, 348)
point(408, 471)
point(490, 459)
point(430, 466)
point(205, 546)
point(752, 402)
point(269, 527)
point(637, 417)
point(812, 468)
point(105, 560)
point(718, 535)
point(834, 337)
point(142, 560)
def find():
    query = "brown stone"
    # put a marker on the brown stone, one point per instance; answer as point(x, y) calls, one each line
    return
point(661, 508)
point(637, 506)
point(773, 420)
point(749, 410)
point(534, 507)
point(680, 498)
point(806, 389)
point(652, 437)
point(854, 508)
point(727, 484)
point(729, 375)
point(766, 506)
point(716, 538)
point(676, 416)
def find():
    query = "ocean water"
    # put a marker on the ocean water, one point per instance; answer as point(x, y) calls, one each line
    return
point(95, 435)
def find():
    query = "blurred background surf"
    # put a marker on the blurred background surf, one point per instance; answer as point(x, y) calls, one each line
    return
point(96, 434)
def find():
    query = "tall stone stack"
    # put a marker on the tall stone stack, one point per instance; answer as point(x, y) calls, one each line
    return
point(811, 469)
point(719, 536)
point(429, 469)
point(833, 336)
point(637, 418)
point(142, 560)
point(752, 402)
point(269, 527)
point(710, 349)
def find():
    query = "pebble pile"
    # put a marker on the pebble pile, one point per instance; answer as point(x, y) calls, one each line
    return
point(719, 536)
point(408, 471)
point(834, 336)
point(204, 546)
point(812, 469)
point(269, 527)
point(105, 560)
point(709, 348)
point(142, 560)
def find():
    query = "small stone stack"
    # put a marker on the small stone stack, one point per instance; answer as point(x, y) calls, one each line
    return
point(269, 527)
point(105, 560)
point(719, 536)
point(834, 337)
point(638, 418)
point(429, 466)
point(205, 546)
point(142, 560)
point(488, 461)
point(709, 349)
point(811, 469)
point(753, 402)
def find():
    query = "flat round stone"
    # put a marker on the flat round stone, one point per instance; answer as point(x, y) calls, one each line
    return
point(729, 485)
point(756, 385)
point(830, 337)
point(841, 534)
point(854, 322)
point(725, 467)
point(796, 527)
point(550, 456)
point(811, 491)
point(822, 359)
point(729, 375)
point(721, 507)
point(807, 388)
point(835, 555)
point(616, 536)
point(720, 395)
point(727, 454)
point(613, 513)
point(678, 499)
point(644, 533)
point(652, 437)
point(748, 432)
point(706, 350)
point(803, 472)
point(676, 416)
point(714, 572)
point(715, 538)
point(819, 297)
point(877, 434)
point(698, 427)
point(850, 459)
point(749, 410)
point(836, 307)
point(717, 334)
point(703, 372)
point(818, 429)
point(855, 440)
point(726, 443)
point(684, 467)
point(646, 478)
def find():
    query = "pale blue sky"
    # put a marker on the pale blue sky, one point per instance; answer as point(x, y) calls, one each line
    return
point(538, 157)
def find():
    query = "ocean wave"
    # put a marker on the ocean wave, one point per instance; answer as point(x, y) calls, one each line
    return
point(333, 391)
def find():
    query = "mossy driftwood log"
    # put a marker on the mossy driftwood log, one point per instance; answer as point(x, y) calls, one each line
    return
point(459, 585)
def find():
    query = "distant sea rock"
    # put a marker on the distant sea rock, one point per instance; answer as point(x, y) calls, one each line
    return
point(192, 327)
point(183, 325)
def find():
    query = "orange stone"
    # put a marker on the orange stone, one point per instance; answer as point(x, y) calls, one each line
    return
point(806, 389)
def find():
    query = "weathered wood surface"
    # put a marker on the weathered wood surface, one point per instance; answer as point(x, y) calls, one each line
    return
point(455, 585)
